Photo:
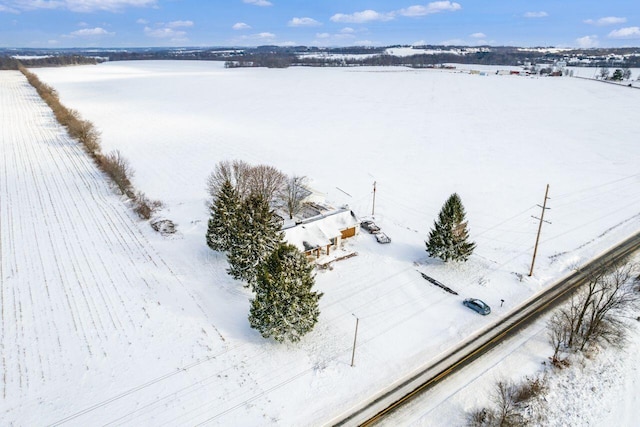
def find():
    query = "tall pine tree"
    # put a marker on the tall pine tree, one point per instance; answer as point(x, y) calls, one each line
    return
point(449, 239)
point(257, 235)
point(223, 220)
point(285, 307)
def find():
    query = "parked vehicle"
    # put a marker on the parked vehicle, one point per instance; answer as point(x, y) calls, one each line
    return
point(370, 226)
point(477, 305)
point(382, 238)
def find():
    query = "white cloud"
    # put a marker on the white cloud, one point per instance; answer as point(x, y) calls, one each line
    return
point(142, 21)
point(347, 30)
point(363, 43)
point(587, 42)
point(328, 38)
point(79, 5)
point(344, 36)
point(453, 42)
point(265, 36)
point(609, 20)
point(180, 24)
point(164, 33)
point(303, 22)
point(626, 33)
point(258, 2)
point(91, 32)
point(478, 35)
point(433, 7)
point(241, 26)
point(536, 15)
point(370, 15)
point(360, 17)
point(8, 9)
point(172, 31)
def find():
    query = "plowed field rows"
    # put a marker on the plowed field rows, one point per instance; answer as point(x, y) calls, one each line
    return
point(83, 295)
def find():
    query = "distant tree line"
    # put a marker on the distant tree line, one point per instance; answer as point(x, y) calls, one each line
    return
point(284, 56)
point(10, 63)
point(268, 60)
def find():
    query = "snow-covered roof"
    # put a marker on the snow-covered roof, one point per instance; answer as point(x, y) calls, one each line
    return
point(318, 231)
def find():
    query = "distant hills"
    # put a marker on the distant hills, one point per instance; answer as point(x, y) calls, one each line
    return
point(284, 56)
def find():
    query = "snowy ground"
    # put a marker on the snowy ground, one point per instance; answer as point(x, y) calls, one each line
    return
point(602, 390)
point(421, 134)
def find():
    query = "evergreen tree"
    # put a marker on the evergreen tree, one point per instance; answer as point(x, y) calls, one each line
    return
point(617, 75)
point(285, 307)
point(257, 234)
point(223, 219)
point(449, 239)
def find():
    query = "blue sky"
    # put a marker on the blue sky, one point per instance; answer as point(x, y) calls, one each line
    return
point(141, 23)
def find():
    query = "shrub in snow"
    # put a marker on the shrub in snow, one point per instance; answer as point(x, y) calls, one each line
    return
point(119, 170)
point(285, 308)
point(145, 207)
point(449, 238)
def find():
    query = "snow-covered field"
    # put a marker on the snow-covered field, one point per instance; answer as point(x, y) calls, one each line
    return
point(144, 330)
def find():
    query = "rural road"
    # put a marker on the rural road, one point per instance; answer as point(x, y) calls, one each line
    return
point(407, 389)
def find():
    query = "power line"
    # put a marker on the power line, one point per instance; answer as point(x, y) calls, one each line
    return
point(535, 248)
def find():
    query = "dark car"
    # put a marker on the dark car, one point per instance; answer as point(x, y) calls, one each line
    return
point(370, 226)
point(477, 306)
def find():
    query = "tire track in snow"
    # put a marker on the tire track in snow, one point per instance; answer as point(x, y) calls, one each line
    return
point(26, 164)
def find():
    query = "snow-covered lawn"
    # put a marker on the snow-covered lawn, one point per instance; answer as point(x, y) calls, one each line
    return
point(601, 389)
point(420, 134)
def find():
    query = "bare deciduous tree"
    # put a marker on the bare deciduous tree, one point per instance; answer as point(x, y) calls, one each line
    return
point(613, 293)
point(595, 312)
point(559, 332)
point(294, 193)
point(246, 179)
point(504, 397)
point(266, 181)
point(235, 171)
point(604, 73)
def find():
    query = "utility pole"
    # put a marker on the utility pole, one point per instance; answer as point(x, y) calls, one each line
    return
point(373, 209)
point(355, 337)
point(544, 208)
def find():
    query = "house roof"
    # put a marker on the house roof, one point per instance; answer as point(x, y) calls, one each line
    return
point(318, 231)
